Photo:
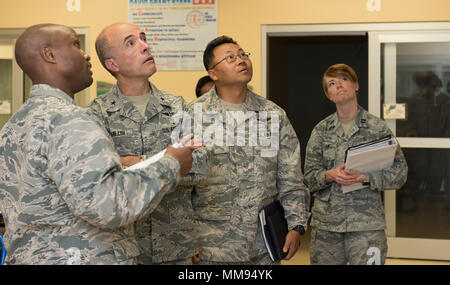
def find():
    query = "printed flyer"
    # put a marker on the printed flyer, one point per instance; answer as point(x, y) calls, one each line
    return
point(177, 30)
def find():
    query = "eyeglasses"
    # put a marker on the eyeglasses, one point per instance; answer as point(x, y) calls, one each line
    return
point(233, 57)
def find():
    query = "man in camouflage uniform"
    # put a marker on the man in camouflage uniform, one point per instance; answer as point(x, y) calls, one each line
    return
point(138, 116)
point(347, 227)
point(63, 193)
point(244, 176)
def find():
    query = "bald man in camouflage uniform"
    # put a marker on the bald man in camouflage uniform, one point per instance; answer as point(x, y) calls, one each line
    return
point(347, 227)
point(244, 177)
point(138, 116)
point(63, 193)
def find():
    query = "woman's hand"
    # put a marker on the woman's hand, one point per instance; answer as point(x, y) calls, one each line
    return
point(344, 176)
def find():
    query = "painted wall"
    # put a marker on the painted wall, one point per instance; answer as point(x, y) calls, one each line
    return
point(240, 19)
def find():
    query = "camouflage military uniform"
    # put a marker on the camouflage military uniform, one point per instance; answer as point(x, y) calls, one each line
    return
point(242, 181)
point(166, 235)
point(62, 192)
point(357, 211)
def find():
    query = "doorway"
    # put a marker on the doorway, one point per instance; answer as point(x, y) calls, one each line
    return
point(294, 76)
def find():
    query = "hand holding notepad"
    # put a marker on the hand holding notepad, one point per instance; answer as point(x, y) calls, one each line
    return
point(369, 157)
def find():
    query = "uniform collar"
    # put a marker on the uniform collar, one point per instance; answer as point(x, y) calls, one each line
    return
point(117, 102)
point(48, 90)
point(214, 106)
point(361, 121)
point(251, 102)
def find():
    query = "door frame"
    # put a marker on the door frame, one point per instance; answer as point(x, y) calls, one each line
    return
point(436, 249)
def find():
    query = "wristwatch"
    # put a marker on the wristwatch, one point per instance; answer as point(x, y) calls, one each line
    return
point(366, 181)
point(299, 229)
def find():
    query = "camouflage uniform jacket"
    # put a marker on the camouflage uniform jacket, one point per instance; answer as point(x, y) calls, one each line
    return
point(241, 182)
point(360, 210)
point(62, 191)
point(167, 234)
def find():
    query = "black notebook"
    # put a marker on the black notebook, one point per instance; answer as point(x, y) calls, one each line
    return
point(274, 229)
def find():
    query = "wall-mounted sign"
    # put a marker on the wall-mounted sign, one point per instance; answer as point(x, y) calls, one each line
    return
point(373, 5)
point(5, 107)
point(177, 30)
point(394, 111)
point(73, 5)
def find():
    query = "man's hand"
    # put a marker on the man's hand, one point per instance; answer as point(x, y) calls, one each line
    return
point(184, 157)
point(130, 160)
point(197, 258)
point(196, 142)
point(291, 244)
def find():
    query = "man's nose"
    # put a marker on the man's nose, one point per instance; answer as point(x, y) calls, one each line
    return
point(86, 56)
point(240, 60)
point(146, 47)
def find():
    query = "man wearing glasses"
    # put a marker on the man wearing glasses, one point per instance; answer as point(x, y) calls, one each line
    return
point(249, 171)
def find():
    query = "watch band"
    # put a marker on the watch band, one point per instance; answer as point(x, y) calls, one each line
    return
point(299, 229)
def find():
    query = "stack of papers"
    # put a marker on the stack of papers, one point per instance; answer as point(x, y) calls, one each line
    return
point(152, 159)
point(368, 157)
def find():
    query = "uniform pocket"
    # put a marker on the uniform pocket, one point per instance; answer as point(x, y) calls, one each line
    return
point(323, 195)
point(329, 157)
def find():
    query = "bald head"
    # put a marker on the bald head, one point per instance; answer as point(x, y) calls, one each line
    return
point(103, 46)
point(51, 54)
point(111, 45)
point(29, 44)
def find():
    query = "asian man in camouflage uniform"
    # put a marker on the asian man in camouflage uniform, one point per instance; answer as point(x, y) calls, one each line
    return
point(347, 227)
point(138, 116)
point(244, 177)
point(63, 193)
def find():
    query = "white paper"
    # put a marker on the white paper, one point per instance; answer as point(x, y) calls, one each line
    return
point(394, 111)
point(370, 158)
point(353, 187)
point(262, 220)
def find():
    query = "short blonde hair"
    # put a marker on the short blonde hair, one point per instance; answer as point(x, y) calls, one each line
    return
point(337, 70)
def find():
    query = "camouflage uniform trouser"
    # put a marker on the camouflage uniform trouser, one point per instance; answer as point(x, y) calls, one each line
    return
point(187, 261)
point(356, 248)
point(258, 260)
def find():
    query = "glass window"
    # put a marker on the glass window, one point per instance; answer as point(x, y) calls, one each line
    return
point(423, 84)
point(423, 204)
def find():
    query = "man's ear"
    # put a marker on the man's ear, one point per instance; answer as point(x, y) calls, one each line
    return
point(212, 74)
point(111, 65)
point(48, 54)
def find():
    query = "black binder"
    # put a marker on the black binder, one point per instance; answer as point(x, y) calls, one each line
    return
point(274, 228)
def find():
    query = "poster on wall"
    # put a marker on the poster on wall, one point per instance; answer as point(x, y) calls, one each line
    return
point(177, 30)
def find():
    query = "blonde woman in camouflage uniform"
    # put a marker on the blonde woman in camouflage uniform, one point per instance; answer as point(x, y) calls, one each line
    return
point(347, 227)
